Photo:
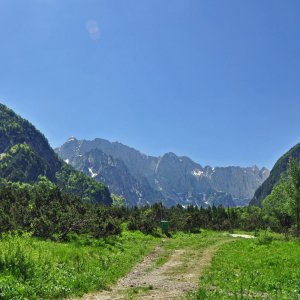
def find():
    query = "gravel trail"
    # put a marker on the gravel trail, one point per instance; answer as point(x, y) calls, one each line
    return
point(172, 280)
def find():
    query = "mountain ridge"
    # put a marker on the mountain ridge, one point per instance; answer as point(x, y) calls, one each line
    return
point(174, 179)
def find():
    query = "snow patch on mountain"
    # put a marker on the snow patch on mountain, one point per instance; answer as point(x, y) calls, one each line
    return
point(92, 173)
point(197, 172)
point(72, 138)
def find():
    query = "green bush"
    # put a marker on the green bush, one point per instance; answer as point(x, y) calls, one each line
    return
point(264, 238)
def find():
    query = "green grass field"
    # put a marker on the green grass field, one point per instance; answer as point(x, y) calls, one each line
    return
point(253, 269)
point(241, 269)
point(35, 269)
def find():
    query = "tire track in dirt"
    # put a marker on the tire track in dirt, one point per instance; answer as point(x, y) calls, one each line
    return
point(173, 280)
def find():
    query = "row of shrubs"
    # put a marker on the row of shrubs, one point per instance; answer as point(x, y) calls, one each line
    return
point(48, 212)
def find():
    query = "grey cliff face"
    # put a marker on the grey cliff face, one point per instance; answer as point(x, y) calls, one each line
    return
point(143, 179)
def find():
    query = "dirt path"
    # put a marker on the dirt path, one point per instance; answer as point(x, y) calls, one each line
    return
point(244, 236)
point(172, 280)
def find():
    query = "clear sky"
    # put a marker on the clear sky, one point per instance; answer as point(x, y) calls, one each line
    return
point(215, 80)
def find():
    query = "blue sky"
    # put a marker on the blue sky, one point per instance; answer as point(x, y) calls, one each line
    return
point(218, 81)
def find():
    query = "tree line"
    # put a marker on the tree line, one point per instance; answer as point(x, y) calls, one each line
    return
point(47, 211)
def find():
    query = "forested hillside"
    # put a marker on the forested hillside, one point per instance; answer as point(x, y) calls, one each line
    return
point(25, 155)
point(277, 171)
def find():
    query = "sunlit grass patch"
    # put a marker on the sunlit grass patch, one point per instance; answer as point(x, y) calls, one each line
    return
point(250, 269)
point(32, 269)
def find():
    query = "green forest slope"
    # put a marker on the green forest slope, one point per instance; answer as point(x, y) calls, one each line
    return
point(25, 155)
point(279, 168)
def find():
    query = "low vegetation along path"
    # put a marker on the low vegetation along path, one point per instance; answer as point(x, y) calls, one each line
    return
point(164, 274)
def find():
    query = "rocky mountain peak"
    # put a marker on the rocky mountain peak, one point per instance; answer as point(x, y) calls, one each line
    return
point(169, 178)
point(72, 139)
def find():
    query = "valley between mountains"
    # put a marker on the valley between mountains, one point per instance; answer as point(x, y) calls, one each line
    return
point(100, 220)
point(149, 150)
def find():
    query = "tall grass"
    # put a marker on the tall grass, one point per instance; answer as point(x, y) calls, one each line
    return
point(35, 269)
point(253, 269)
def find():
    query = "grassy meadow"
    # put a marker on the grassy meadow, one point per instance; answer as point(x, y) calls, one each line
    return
point(262, 268)
point(38, 269)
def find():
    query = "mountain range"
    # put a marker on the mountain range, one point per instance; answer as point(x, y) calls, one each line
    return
point(25, 155)
point(171, 179)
